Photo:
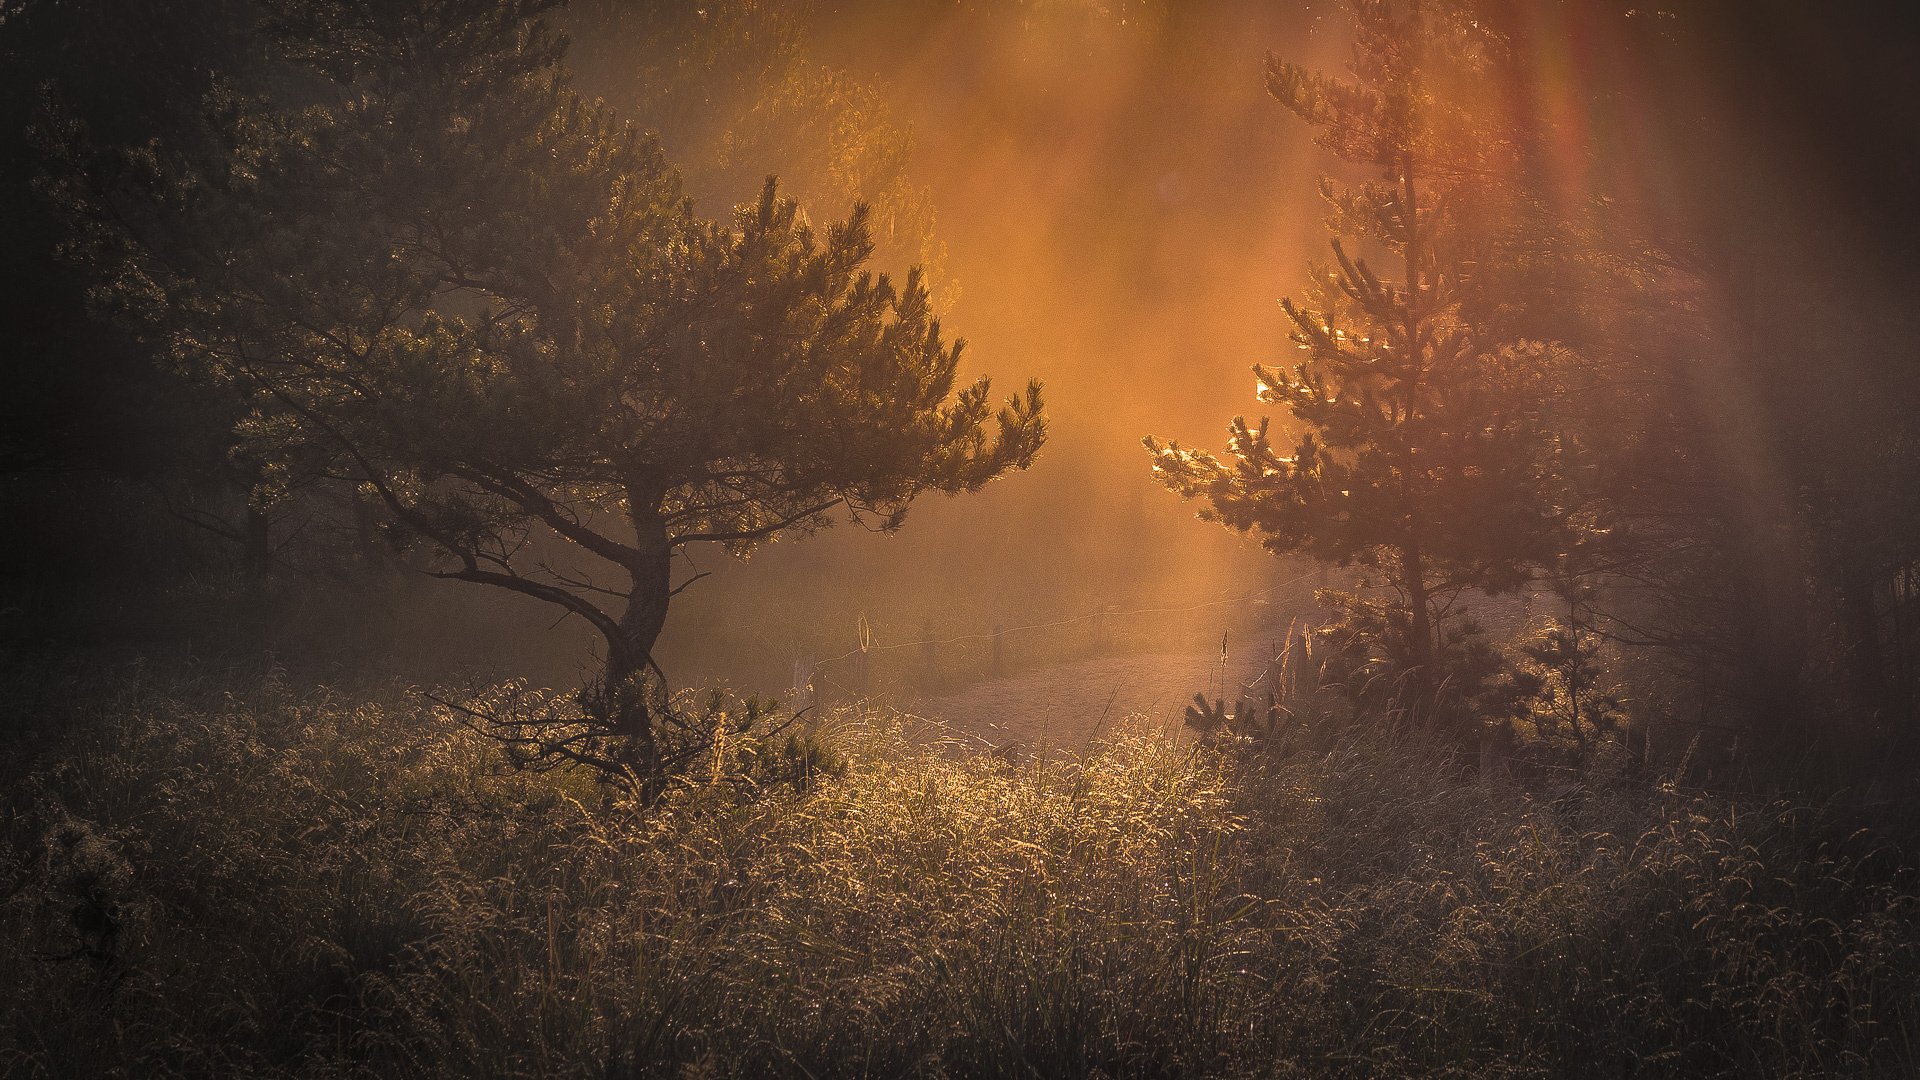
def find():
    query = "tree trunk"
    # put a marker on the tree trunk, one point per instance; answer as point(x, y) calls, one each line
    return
point(366, 545)
point(1413, 578)
point(257, 543)
point(624, 683)
point(1860, 632)
point(1771, 662)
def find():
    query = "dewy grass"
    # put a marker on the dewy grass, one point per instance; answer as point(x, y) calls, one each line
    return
point(301, 884)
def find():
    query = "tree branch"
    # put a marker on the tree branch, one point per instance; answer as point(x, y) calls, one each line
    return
point(760, 532)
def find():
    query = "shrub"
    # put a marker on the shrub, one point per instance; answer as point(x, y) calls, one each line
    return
point(304, 884)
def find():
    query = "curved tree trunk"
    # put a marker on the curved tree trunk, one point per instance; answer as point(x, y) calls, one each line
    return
point(629, 712)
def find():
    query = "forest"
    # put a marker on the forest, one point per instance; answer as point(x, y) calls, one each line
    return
point(959, 538)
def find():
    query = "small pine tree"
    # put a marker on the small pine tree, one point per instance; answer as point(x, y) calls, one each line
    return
point(1563, 677)
point(1420, 454)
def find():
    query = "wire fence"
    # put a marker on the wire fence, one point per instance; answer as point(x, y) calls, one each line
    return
point(851, 672)
point(1244, 598)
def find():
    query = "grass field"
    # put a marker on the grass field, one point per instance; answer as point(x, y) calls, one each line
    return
point(302, 882)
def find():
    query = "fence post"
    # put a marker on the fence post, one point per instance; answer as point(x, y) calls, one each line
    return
point(862, 677)
point(998, 669)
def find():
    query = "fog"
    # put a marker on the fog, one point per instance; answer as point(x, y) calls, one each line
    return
point(1120, 206)
point(1107, 200)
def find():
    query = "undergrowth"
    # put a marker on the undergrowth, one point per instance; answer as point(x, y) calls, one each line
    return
point(303, 884)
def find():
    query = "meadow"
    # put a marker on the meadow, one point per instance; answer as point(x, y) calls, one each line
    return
point(289, 881)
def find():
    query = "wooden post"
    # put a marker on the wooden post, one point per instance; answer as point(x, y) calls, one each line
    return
point(861, 677)
point(1220, 681)
point(998, 669)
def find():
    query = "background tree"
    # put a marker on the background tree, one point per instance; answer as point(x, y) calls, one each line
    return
point(1421, 453)
point(438, 274)
point(118, 469)
point(1732, 286)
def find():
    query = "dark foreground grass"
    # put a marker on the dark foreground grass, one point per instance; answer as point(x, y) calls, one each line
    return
point(293, 884)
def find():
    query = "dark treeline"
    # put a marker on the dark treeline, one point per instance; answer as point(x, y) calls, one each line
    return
point(1775, 463)
point(1768, 357)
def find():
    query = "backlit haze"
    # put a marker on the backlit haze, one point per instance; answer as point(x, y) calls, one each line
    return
point(1121, 206)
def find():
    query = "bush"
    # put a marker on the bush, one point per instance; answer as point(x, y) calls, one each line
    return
point(297, 884)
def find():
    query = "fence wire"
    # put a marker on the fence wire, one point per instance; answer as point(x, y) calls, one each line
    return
point(1071, 620)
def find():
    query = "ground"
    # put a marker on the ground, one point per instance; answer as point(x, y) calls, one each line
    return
point(1071, 704)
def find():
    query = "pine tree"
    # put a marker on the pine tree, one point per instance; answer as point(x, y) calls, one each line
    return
point(440, 276)
point(1420, 455)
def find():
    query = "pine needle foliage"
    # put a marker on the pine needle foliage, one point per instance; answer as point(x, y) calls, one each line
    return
point(1417, 447)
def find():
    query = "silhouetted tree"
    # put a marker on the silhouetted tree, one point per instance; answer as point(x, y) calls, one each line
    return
point(92, 431)
point(441, 276)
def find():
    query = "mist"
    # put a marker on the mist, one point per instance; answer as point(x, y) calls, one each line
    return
point(1118, 219)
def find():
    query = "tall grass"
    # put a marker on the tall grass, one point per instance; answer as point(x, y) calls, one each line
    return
point(293, 883)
